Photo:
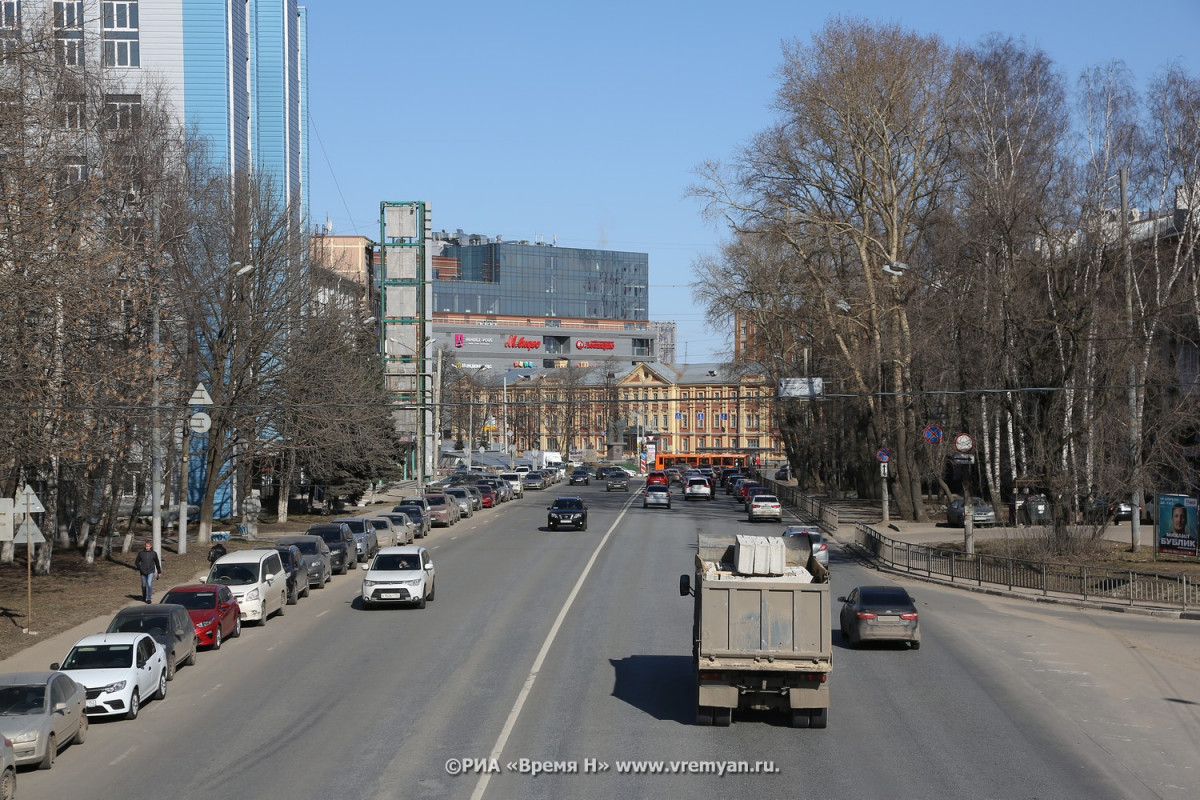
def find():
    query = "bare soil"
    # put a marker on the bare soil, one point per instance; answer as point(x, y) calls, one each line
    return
point(75, 591)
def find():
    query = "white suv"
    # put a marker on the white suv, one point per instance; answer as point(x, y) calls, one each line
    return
point(697, 489)
point(257, 580)
point(514, 480)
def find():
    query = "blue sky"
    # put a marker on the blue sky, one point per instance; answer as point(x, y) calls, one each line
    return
point(583, 124)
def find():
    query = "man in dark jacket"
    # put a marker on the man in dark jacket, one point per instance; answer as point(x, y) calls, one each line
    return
point(149, 566)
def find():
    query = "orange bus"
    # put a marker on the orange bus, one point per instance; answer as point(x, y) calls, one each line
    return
point(714, 460)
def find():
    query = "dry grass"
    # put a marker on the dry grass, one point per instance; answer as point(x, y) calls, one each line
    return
point(1033, 544)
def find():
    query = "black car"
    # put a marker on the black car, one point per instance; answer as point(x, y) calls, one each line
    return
point(342, 551)
point(419, 515)
point(567, 511)
point(616, 478)
point(581, 475)
point(295, 569)
point(169, 624)
point(315, 556)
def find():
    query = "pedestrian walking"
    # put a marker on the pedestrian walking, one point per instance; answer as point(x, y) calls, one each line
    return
point(149, 566)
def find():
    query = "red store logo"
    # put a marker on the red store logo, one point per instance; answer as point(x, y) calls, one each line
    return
point(594, 344)
point(522, 343)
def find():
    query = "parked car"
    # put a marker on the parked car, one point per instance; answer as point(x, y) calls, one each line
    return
point(8, 769)
point(40, 713)
point(764, 506)
point(697, 488)
point(169, 624)
point(476, 496)
point(1035, 510)
point(385, 531)
point(616, 478)
point(820, 548)
point(399, 575)
point(570, 511)
point(500, 487)
point(443, 509)
point(421, 501)
point(119, 671)
point(316, 556)
point(257, 580)
point(403, 528)
point(880, 613)
point(580, 475)
point(488, 497)
point(656, 495)
point(466, 506)
point(420, 517)
point(513, 479)
point(342, 551)
point(982, 513)
point(533, 480)
point(1104, 509)
point(293, 567)
point(366, 542)
point(213, 610)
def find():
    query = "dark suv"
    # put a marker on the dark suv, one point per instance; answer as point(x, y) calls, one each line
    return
point(342, 551)
point(567, 511)
point(296, 569)
point(617, 478)
point(581, 475)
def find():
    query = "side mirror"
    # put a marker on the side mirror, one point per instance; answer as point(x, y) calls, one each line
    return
point(55, 667)
point(429, 565)
point(841, 599)
point(685, 585)
point(364, 567)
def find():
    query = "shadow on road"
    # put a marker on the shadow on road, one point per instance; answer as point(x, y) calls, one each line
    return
point(662, 686)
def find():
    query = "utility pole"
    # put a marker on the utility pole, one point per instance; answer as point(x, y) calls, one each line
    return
point(1135, 426)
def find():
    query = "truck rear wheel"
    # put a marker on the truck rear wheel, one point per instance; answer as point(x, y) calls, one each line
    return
point(704, 715)
point(800, 718)
point(722, 717)
point(819, 718)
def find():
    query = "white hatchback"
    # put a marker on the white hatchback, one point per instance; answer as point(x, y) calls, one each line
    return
point(398, 575)
point(119, 671)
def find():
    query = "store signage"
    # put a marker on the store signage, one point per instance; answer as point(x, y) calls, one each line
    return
point(522, 343)
point(465, 340)
point(461, 365)
point(594, 344)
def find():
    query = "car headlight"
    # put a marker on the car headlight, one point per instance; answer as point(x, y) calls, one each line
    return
point(368, 584)
point(204, 623)
point(252, 594)
point(113, 687)
point(413, 582)
point(22, 738)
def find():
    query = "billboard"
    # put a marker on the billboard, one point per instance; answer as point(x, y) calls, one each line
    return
point(1175, 524)
point(801, 387)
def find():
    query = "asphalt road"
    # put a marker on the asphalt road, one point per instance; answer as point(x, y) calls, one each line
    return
point(568, 646)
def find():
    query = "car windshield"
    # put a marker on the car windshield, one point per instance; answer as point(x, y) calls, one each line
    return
point(381, 524)
point(355, 525)
point(18, 700)
point(883, 596)
point(330, 533)
point(233, 574)
point(412, 511)
point(457, 492)
point(435, 500)
point(568, 505)
point(100, 656)
point(397, 562)
point(309, 548)
point(192, 600)
point(155, 625)
point(399, 519)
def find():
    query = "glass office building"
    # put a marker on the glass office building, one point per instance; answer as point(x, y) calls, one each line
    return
point(523, 279)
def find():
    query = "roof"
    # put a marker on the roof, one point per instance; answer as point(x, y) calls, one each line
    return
point(109, 638)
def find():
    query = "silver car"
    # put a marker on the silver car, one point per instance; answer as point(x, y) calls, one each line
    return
point(981, 513)
point(466, 506)
point(820, 548)
point(366, 542)
point(403, 525)
point(656, 495)
point(41, 712)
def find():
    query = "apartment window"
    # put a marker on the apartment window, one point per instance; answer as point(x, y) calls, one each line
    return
point(683, 420)
point(74, 169)
point(10, 27)
point(752, 444)
point(71, 112)
point(684, 445)
point(120, 31)
point(122, 111)
point(754, 421)
point(699, 442)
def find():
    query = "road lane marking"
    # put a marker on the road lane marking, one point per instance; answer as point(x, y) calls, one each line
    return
point(123, 756)
point(523, 695)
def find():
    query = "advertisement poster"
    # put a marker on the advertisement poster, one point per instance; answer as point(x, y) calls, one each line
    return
point(1176, 524)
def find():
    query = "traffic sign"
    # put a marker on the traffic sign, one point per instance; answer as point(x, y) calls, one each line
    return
point(884, 455)
point(28, 531)
point(199, 422)
point(200, 396)
point(964, 443)
point(883, 469)
point(26, 501)
point(933, 434)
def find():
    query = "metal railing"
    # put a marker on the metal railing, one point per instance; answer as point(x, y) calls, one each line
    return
point(1045, 578)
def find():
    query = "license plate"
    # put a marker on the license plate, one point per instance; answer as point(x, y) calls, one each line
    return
point(91, 703)
point(389, 595)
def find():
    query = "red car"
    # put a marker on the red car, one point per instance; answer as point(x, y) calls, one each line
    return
point(213, 609)
point(658, 477)
point(488, 494)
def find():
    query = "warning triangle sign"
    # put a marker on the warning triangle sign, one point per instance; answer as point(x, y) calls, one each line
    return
point(28, 531)
point(200, 396)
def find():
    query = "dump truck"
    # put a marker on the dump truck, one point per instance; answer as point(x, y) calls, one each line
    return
point(762, 636)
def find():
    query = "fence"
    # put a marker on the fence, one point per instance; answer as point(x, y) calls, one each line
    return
point(1046, 578)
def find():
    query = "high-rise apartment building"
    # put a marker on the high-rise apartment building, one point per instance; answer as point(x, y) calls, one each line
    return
point(232, 71)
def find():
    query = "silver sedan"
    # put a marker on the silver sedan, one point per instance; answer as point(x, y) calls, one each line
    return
point(41, 712)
